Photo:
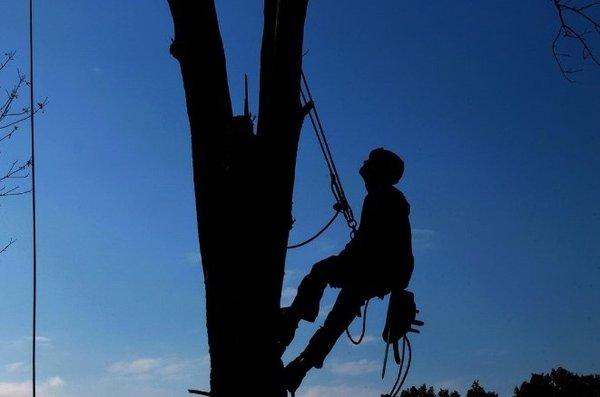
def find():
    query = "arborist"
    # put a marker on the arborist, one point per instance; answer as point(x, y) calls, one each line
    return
point(376, 262)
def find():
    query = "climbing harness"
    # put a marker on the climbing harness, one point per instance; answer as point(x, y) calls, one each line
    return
point(341, 202)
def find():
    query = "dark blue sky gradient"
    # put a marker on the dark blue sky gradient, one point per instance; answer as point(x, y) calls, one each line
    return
point(501, 172)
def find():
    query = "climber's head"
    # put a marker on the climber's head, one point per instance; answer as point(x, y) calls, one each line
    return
point(382, 168)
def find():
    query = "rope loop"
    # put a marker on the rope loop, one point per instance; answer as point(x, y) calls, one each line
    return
point(316, 235)
point(363, 330)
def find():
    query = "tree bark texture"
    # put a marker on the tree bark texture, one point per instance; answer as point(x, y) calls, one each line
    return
point(243, 185)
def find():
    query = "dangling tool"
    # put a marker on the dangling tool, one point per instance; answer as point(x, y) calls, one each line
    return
point(400, 319)
point(385, 355)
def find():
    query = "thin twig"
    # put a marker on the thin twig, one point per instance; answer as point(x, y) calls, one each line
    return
point(577, 33)
point(40, 106)
point(9, 56)
point(11, 242)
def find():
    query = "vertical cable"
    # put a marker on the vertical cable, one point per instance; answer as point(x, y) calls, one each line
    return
point(33, 209)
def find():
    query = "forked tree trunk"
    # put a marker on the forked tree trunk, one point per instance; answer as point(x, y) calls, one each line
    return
point(243, 184)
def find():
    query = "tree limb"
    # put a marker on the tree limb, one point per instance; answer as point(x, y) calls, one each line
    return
point(281, 64)
point(576, 33)
point(198, 47)
point(11, 242)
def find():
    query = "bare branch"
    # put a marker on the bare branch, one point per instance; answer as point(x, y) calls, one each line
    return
point(11, 242)
point(11, 96)
point(12, 113)
point(14, 172)
point(8, 57)
point(39, 106)
point(14, 191)
point(10, 134)
point(575, 29)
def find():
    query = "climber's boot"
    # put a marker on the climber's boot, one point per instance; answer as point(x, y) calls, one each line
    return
point(294, 373)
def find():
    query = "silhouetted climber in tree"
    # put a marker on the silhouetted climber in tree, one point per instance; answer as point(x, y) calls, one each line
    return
point(377, 261)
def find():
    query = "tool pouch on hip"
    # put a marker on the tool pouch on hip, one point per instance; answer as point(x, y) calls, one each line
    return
point(401, 316)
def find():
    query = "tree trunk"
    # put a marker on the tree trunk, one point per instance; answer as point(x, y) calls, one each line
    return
point(243, 185)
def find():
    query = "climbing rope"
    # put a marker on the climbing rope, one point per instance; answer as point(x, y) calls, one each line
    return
point(364, 327)
point(341, 202)
point(401, 377)
point(336, 183)
point(33, 207)
point(316, 235)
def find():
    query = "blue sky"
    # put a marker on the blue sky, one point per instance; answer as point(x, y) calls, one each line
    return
point(501, 155)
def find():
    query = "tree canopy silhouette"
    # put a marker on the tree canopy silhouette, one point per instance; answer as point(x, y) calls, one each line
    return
point(424, 391)
point(477, 390)
point(560, 383)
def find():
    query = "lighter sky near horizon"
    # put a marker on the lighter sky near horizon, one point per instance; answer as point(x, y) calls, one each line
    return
point(501, 161)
